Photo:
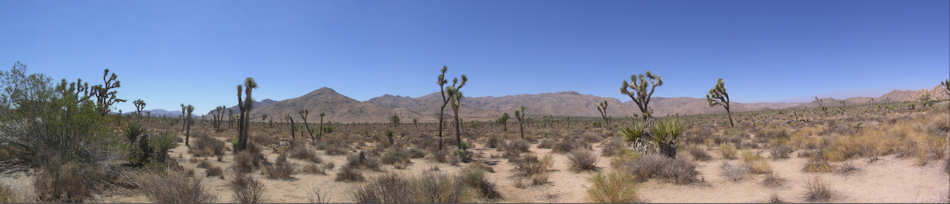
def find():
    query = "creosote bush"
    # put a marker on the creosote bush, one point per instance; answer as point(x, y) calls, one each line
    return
point(247, 189)
point(69, 182)
point(699, 154)
point(648, 166)
point(583, 160)
point(301, 152)
point(349, 174)
point(474, 178)
point(728, 151)
point(817, 190)
point(173, 187)
point(613, 187)
point(282, 169)
point(427, 188)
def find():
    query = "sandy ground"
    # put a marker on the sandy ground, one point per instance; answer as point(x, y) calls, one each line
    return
point(887, 180)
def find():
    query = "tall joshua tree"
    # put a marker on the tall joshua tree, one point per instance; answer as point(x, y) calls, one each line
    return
point(504, 120)
point(105, 93)
point(602, 109)
point(188, 110)
point(455, 96)
point(718, 96)
point(445, 98)
point(637, 90)
point(305, 114)
point(182, 117)
point(244, 106)
point(139, 107)
point(519, 114)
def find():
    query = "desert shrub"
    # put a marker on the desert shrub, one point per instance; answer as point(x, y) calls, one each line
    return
point(69, 182)
point(428, 188)
point(817, 163)
point(317, 196)
point(474, 178)
point(214, 171)
point(734, 173)
point(582, 160)
point(699, 154)
point(728, 151)
point(313, 169)
point(348, 174)
point(246, 161)
point(438, 188)
point(415, 153)
point(207, 146)
point(563, 146)
point(395, 155)
point(772, 180)
point(161, 144)
point(282, 169)
point(780, 151)
point(756, 163)
point(204, 164)
point(517, 146)
point(817, 190)
point(611, 146)
point(529, 165)
point(612, 188)
point(658, 166)
point(546, 144)
point(173, 187)
point(388, 188)
point(301, 152)
point(247, 189)
point(622, 157)
point(263, 140)
point(335, 150)
point(361, 161)
point(846, 168)
point(493, 142)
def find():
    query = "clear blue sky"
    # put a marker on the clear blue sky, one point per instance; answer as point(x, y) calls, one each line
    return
point(195, 52)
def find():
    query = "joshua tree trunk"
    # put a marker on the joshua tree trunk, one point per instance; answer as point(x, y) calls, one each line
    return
point(321, 128)
point(521, 126)
point(293, 128)
point(458, 130)
point(441, 121)
point(729, 113)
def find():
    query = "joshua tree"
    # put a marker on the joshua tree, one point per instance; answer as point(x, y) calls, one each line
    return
point(304, 114)
point(821, 104)
point(217, 117)
point(105, 93)
point(321, 125)
point(504, 120)
point(182, 117)
point(924, 100)
point(139, 106)
point(188, 110)
point(244, 106)
point(230, 118)
point(455, 96)
point(445, 98)
point(293, 127)
point(519, 114)
point(415, 122)
point(602, 109)
point(842, 106)
point(394, 120)
point(264, 118)
point(637, 90)
point(718, 96)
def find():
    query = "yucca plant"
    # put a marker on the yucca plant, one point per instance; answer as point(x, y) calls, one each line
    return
point(665, 134)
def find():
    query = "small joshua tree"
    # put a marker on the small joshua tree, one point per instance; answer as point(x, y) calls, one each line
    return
point(602, 109)
point(293, 127)
point(718, 96)
point(446, 98)
point(321, 125)
point(304, 114)
point(139, 107)
point(394, 120)
point(519, 114)
point(637, 90)
point(182, 117)
point(244, 106)
point(188, 122)
point(504, 120)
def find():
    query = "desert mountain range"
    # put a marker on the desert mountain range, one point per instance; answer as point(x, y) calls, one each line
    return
point(340, 108)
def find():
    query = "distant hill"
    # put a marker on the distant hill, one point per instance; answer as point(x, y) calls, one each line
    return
point(340, 108)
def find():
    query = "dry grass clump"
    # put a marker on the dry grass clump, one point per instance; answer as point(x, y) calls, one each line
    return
point(817, 190)
point(395, 156)
point(846, 168)
point(772, 180)
point(206, 146)
point(301, 152)
point(583, 160)
point(728, 151)
point(817, 163)
point(756, 163)
point(349, 174)
point(734, 173)
point(699, 154)
point(204, 164)
point(564, 146)
point(780, 151)
point(648, 166)
point(546, 144)
point(612, 188)
point(313, 169)
point(282, 169)
point(611, 146)
point(173, 187)
point(214, 171)
point(474, 178)
point(69, 182)
point(247, 161)
point(530, 167)
point(247, 189)
point(428, 188)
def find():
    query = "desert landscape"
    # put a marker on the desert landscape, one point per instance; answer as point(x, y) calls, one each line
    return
point(537, 102)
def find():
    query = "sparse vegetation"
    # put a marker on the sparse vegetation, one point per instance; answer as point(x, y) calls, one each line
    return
point(612, 188)
point(173, 187)
point(817, 190)
point(247, 189)
point(583, 160)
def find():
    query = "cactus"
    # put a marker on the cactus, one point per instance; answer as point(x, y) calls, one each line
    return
point(636, 89)
point(519, 114)
point(602, 109)
point(244, 106)
point(718, 96)
point(188, 122)
point(446, 98)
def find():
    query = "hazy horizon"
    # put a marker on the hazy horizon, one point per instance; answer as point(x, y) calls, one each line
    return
point(173, 52)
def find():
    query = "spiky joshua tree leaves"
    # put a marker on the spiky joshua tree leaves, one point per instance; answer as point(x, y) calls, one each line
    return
point(640, 90)
point(602, 109)
point(446, 98)
point(718, 96)
point(139, 107)
point(244, 106)
point(105, 92)
point(519, 114)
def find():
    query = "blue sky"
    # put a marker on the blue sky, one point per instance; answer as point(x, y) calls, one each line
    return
point(195, 52)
